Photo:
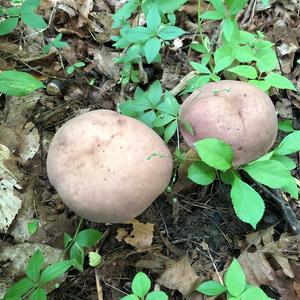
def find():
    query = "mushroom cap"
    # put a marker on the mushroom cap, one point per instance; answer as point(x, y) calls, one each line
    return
point(99, 164)
point(236, 112)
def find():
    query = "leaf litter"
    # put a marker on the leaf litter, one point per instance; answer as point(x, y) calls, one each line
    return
point(163, 242)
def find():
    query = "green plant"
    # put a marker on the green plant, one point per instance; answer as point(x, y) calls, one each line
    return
point(33, 226)
point(235, 286)
point(71, 69)
point(33, 285)
point(15, 83)
point(286, 125)
point(56, 42)
point(240, 54)
point(272, 169)
point(75, 246)
point(141, 41)
point(140, 286)
point(24, 12)
point(156, 110)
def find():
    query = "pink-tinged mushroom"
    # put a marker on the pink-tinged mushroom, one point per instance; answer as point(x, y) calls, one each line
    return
point(236, 112)
point(102, 165)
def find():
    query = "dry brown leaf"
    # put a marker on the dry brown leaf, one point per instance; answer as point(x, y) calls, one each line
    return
point(181, 276)
point(140, 237)
point(272, 263)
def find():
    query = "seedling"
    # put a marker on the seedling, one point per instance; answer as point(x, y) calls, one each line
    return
point(25, 12)
point(241, 53)
point(33, 226)
point(56, 42)
point(33, 285)
point(235, 286)
point(156, 110)
point(141, 286)
point(272, 169)
point(71, 69)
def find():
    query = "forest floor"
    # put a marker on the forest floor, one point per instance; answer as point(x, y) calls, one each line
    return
point(177, 245)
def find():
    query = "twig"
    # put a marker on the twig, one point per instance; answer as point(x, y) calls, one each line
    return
point(287, 211)
point(98, 286)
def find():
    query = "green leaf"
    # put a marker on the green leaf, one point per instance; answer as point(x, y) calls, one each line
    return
point(88, 237)
point(148, 118)
point(67, 240)
point(130, 297)
point(8, 25)
point(200, 68)
point(254, 293)
point(227, 177)
point(34, 21)
point(139, 34)
point(244, 54)
point(266, 61)
point(229, 27)
point(285, 160)
point(201, 173)
point(38, 294)
point(237, 6)
point(235, 279)
point(77, 255)
point(218, 5)
point(213, 15)
point(170, 32)
point(34, 266)
point(153, 19)
point(169, 6)
point(286, 125)
point(170, 131)
point(211, 288)
point(79, 64)
point(55, 270)
point(15, 83)
point(245, 71)
point(162, 120)
point(292, 189)
point(94, 259)
point(269, 172)
point(199, 48)
point(289, 145)
point(30, 5)
point(19, 289)
point(141, 285)
point(169, 105)
point(157, 295)
point(188, 127)
point(215, 153)
point(263, 85)
point(152, 48)
point(279, 81)
point(154, 93)
point(70, 70)
point(32, 226)
point(247, 203)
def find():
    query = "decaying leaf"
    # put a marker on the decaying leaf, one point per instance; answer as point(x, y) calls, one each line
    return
point(273, 264)
point(181, 276)
point(140, 237)
point(9, 202)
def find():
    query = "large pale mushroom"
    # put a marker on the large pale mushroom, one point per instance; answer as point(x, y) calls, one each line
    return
point(236, 112)
point(102, 165)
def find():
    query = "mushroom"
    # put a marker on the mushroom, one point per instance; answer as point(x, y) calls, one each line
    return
point(236, 112)
point(102, 165)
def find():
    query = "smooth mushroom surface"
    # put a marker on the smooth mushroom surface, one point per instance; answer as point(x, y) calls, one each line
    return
point(100, 165)
point(236, 112)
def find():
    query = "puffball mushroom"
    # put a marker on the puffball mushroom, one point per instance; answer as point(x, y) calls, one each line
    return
point(236, 112)
point(100, 163)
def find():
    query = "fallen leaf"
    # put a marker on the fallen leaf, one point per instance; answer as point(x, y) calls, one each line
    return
point(140, 237)
point(181, 276)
